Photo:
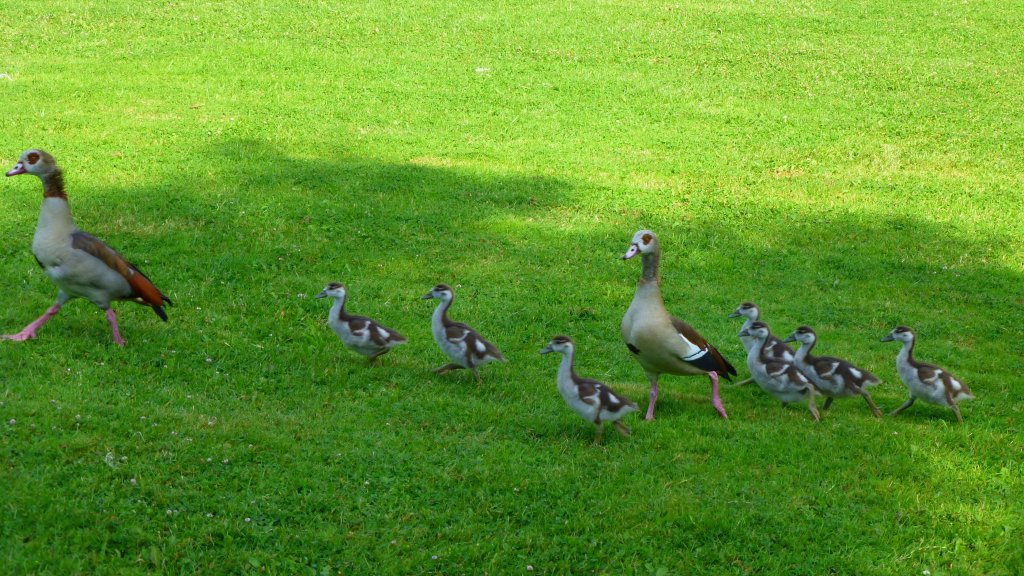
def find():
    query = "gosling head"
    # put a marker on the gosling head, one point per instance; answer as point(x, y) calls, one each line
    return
point(747, 310)
point(561, 344)
point(901, 333)
point(757, 330)
point(334, 290)
point(803, 335)
point(441, 292)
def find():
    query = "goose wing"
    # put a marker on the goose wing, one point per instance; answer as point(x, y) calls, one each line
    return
point(699, 352)
point(143, 289)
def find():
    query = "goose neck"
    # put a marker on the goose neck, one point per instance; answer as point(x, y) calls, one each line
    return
point(650, 261)
point(53, 185)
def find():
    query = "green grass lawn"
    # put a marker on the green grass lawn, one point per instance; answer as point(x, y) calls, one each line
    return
point(851, 166)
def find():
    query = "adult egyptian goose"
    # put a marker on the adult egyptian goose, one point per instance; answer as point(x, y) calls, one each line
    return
point(774, 348)
point(925, 381)
point(358, 333)
point(79, 264)
point(591, 399)
point(834, 378)
point(660, 342)
point(465, 346)
point(780, 378)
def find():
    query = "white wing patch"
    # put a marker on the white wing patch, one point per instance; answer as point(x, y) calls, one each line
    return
point(856, 373)
point(480, 348)
point(383, 333)
point(692, 351)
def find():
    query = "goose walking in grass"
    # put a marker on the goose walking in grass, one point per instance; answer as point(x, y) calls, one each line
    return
point(834, 378)
point(465, 346)
point(358, 333)
point(79, 264)
point(591, 399)
point(660, 342)
point(925, 381)
point(777, 377)
point(774, 348)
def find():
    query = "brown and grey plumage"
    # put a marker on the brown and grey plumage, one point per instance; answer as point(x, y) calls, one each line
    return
point(592, 400)
point(359, 333)
point(660, 342)
point(79, 264)
point(925, 381)
point(465, 346)
point(834, 377)
point(778, 377)
point(773, 348)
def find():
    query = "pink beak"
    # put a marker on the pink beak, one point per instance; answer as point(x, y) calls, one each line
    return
point(633, 249)
point(19, 168)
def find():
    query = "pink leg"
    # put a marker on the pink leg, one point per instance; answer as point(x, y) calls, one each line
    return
point(652, 397)
point(112, 318)
point(30, 330)
point(716, 400)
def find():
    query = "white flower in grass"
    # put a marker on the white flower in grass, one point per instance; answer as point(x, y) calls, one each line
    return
point(12, 422)
point(108, 459)
point(248, 520)
point(133, 482)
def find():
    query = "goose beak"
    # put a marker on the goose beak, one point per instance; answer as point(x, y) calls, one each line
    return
point(887, 338)
point(743, 333)
point(427, 296)
point(633, 249)
point(322, 294)
point(19, 168)
point(735, 313)
point(546, 350)
point(790, 338)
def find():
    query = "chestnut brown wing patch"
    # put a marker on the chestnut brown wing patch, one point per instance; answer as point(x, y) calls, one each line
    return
point(713, 361)
point(143, 290)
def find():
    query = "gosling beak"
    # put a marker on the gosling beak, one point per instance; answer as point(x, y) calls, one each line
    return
point(632, 251)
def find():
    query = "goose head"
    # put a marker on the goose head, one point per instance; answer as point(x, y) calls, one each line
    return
point(334, 290)
point(644, 242)
point(561, 344)
point(901, 333)
point(803, 335)
point(757, 330)
point(35, 162)
point(441, 292)
point(747, 310)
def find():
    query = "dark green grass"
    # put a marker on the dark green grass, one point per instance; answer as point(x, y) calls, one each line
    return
point(851, 167)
